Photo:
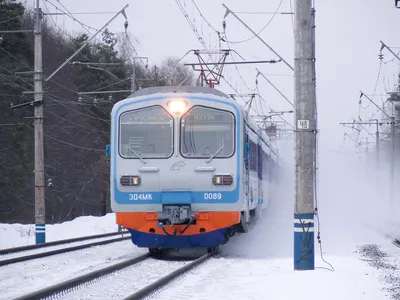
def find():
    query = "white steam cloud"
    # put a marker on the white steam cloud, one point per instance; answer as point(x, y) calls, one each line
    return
point(353, 202)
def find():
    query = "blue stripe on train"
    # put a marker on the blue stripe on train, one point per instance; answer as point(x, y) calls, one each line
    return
point(151, 240)
point(198, 196)
point(176, 197)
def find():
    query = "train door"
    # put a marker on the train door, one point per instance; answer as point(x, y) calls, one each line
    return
point(246, 177)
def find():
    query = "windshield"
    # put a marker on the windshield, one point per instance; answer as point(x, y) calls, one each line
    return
point(206, 131)
point(146, 133)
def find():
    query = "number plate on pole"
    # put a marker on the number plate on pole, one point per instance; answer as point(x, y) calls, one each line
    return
point(303, 124)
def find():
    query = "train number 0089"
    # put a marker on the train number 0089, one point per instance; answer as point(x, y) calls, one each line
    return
point(212, 196)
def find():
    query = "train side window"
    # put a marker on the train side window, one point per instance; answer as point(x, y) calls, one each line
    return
point(147, 132)
point(253, 156)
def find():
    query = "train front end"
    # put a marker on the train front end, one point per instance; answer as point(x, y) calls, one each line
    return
point(175, 171)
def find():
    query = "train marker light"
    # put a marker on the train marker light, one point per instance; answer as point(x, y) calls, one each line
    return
point(177, 106)
point(128, 180)
point(135, 180)
point(222, 180)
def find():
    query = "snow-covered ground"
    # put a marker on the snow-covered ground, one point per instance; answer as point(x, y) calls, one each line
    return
point(358, 222)
point(125, 282)
point(40, 273)
point(15, 235)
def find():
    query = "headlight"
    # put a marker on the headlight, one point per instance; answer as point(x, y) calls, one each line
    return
point(129, 180)
point(177, 106)
point(222, 180)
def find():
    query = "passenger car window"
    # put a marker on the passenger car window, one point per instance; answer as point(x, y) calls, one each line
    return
point(147, 132)
point(204, 131)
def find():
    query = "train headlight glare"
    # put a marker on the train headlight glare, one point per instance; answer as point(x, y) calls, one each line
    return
point(177, 106)
point(222, 180)
point(128, 180)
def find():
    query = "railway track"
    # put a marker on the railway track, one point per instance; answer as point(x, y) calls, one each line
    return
point(126, 273)
point(7, 252)
point(60, 242)
point(163, 281)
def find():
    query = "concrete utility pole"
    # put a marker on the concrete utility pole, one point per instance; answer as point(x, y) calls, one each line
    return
point(40, 204)
point(40, 212)
point(40, 208)
point(305, 107)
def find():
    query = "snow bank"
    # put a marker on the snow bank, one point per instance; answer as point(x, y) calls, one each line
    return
point(14, 235)
point(228, 278)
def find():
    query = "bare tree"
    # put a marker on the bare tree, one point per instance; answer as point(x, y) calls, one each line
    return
point(175, 73)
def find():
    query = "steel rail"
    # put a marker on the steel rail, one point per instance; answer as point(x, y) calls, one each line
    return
point(160, 283)
point(60, 242)
point(58, 251)
point(72, 283)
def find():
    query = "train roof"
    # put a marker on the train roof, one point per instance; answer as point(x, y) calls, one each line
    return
point(178, 89)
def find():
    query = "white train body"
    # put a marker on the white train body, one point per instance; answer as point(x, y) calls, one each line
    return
point(179, 154)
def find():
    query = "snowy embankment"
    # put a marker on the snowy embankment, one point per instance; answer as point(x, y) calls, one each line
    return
point(15, 235)
point(256, 265)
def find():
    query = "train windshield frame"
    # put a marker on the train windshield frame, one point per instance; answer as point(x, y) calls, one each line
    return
point(146, 133)
point(207, 132)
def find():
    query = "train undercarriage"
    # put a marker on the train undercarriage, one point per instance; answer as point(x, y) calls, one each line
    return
point(173, 215)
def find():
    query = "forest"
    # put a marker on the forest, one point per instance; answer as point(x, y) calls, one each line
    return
point(76, 126)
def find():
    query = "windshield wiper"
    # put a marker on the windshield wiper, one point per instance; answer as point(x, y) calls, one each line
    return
point(137, 154)
point(215, 154)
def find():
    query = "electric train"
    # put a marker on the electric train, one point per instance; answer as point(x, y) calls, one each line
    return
point(189, 167)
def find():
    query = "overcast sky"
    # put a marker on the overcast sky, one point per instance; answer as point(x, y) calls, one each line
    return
point(347, 46)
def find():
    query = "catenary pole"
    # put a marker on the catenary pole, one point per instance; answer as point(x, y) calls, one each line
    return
point(377, 134)
point(392, 161)
point(305, 137)
point(393, 152)
point(133, 77)
point(39, 182)
point(40, 208)
point(40, 212)
point(377, 143)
